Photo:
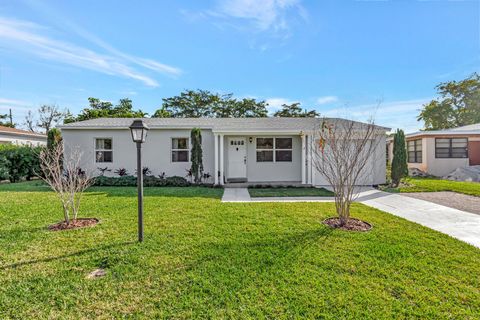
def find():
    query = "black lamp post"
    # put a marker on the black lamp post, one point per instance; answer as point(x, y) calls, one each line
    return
point(139, 134)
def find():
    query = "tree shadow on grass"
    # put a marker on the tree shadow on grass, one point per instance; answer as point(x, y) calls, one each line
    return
point(73, 254)
point(262, 258)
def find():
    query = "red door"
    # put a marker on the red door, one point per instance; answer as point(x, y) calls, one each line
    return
point(474, 152)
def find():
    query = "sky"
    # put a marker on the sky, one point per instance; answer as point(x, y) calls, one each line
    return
point(343, 58)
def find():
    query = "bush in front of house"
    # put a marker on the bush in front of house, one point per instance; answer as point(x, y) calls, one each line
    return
point(19, 162)
point(148, 181)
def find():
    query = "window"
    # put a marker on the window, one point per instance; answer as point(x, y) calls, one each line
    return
point(103, 150)
point(264, 149)
point(283, 149)
point(180, 150)
point(451, 148)
point(274, 149)
point(414, 148)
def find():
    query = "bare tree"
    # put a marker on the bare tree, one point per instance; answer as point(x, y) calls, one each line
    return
point(49, 116)
point(30, 121)
point(343, 151)
point(62, 172)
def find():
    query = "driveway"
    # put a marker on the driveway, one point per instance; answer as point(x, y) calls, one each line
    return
point(459, 224)
point(449, 199)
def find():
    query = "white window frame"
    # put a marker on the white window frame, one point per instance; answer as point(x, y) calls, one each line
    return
point(282, 149)
point(172, 150)
point(103, 150)
point(274, 149)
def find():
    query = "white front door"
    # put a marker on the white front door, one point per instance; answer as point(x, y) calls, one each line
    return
point(237, 158)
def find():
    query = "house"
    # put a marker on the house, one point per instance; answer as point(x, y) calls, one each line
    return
point(439, 152)
point(21, 137)
point(253, 150)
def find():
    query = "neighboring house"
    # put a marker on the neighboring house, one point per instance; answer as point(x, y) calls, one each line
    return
point(21, 137)
point(253, 150)
point(439, 152)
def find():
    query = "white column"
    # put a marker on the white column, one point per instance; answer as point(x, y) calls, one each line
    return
point(309, 159)
point(215, 136)
point(221, 159)
point(312, 148)
point(303, 159)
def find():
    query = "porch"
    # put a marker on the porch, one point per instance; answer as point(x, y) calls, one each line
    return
point(277, 157)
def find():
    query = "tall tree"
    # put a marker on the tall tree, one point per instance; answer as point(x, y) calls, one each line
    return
point(203, 103)
point(30, 121)
point(49, 115)
point(399, 162)
point(105, 109)
point(294, 110)
point(196, 154)
point(458, 105)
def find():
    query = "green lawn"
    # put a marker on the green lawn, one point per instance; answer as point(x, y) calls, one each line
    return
point(290, 192)
point(205, 259)
point(433, 184)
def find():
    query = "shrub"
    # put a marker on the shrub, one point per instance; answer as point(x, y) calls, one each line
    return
point(4, 164)
point(148, 181)
point(121, 172)
point(399, 168)
point(53, 138)
point(19, 162)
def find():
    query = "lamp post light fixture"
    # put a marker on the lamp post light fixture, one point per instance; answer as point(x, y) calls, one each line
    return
point(139, 134)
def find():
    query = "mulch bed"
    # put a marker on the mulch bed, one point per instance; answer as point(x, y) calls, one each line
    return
point(74, 224)
point(351, 225)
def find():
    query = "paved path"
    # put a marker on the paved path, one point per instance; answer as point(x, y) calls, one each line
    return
point(459, 224)
point(242, 195)
point(449, 199)
point(236, 195)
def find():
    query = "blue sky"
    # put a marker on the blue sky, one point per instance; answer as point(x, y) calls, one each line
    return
point(343, 58)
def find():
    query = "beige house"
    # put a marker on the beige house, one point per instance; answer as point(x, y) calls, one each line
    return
point(440, 152)
point(21, 137)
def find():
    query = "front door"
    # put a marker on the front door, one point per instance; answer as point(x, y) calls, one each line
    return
point(237, 158)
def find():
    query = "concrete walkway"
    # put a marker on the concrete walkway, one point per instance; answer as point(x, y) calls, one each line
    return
point(242, 195)
point(236, 195)
point(459, 224)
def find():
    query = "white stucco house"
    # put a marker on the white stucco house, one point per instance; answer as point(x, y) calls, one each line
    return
point(439, 152)
point(252, 150)
point(21, 137)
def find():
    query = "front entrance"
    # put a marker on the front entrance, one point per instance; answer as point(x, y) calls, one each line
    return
point(237, 159)
point(474, 152)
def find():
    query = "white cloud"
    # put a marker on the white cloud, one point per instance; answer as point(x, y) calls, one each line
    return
point(275, 104)
point(326, 99)
point(29, 38)
point(395, 114)
point(271, 16)
point(268, 14)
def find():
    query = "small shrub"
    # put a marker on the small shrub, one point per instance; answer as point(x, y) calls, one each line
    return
point(103, 170)
point(145, 171)
point(121, 172)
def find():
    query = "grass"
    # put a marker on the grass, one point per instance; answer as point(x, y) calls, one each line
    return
point(290, 192)
point(434, 184)
point(205, 259)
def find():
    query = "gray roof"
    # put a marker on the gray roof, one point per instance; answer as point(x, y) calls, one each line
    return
point(465, 130)
point(471, 127)
point(218, 124)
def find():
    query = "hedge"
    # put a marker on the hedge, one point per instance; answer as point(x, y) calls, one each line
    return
point(19, 162)
point(148, 181)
